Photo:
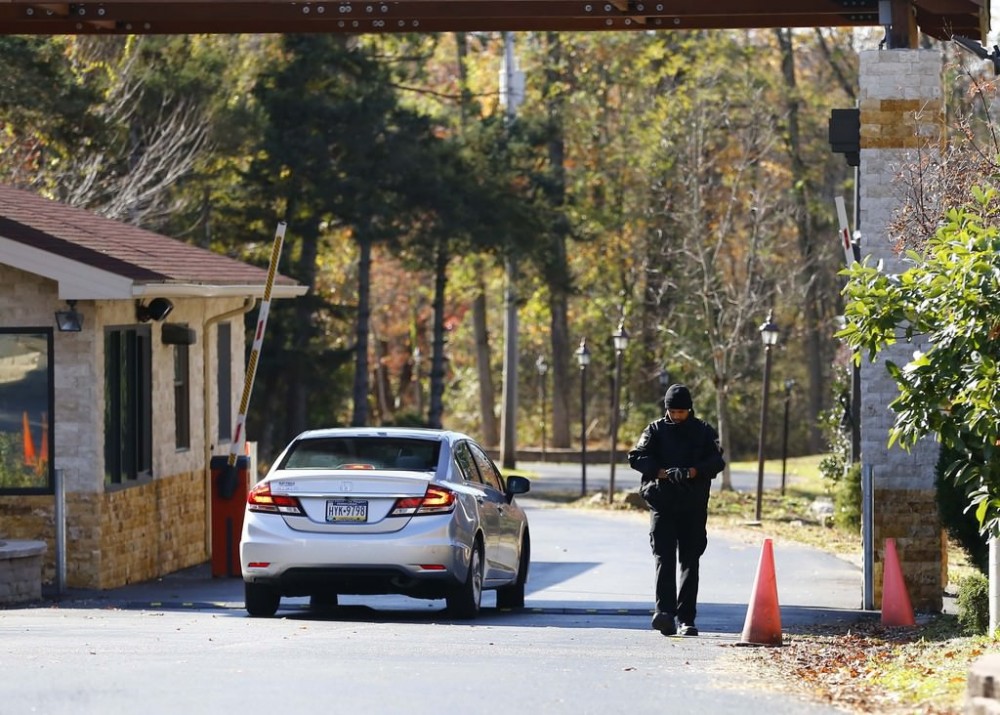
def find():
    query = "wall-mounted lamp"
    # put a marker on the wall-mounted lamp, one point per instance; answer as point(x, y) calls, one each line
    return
point(157, 309)
point(69, 321)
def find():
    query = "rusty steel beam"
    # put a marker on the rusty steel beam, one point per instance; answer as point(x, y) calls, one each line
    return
point(262, 23)
point(740, 12)
point(967, 17)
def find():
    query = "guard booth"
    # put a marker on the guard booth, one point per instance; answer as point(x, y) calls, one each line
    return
point(230, 486)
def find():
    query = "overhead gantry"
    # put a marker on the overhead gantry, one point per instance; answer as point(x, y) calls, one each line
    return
point(940, 19)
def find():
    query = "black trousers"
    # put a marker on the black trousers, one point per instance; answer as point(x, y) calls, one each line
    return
point(678, 534)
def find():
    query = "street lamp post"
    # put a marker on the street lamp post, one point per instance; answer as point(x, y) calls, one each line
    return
point(620, 338)
point(542, 368)
point(769, 336)
point(583, 358)
point(789, 384)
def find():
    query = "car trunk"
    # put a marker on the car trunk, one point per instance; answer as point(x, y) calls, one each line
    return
point(348, 501)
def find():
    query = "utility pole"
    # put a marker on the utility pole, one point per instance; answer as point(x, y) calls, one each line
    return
point(511, 96)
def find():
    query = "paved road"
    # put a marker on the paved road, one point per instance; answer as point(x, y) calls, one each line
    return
point(582, 645)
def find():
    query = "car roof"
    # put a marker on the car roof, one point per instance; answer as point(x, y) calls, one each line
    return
point(406, 432)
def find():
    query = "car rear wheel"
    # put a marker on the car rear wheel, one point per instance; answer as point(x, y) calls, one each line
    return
point(464, 600)
point(513, 596)
point(260, 600)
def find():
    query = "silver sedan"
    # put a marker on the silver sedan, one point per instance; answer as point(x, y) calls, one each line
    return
point(425, 513)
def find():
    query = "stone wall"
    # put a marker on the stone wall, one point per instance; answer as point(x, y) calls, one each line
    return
point(910, 517)
point(902, 118)
point(152, 529)
point(120, 537)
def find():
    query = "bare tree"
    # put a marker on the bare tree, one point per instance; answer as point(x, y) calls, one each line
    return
point(723, 216)
point(130, 181)
point(118, 158)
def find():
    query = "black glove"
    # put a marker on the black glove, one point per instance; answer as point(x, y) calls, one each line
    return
point(677, 475)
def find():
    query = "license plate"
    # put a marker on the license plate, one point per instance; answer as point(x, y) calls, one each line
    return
point(346, 510)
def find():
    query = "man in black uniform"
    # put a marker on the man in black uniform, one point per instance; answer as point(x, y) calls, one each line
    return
point(678, 456)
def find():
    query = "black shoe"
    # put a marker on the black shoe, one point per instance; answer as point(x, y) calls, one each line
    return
point(688, 629)
point(664, 623)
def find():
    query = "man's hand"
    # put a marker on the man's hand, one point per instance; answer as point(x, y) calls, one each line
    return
point(676, 475)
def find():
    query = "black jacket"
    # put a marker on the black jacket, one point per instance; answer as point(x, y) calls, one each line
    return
point(665, 444)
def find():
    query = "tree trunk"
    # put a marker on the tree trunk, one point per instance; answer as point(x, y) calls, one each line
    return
point(383, 388)
point(810, 308)
point(562, 381)
point(722, 410)
point(305, 272)
point(508, 416)
point(487, 392)
point(559, 271)
point(434, 417)
point(269, 439)
point(360, 392)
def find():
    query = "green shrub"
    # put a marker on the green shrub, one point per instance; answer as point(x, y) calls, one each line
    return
point(961, 524)
point(974, 604)
point(838, 435)
point(847, 499)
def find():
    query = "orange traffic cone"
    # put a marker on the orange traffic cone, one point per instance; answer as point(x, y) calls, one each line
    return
point(763, 623)
point(896, 608)
point(29, 445)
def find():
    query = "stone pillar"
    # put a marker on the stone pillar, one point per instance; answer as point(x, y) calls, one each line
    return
point(902, 117)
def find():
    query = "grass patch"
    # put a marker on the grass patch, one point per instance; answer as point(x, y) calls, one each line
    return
point(802, 475)
point(785, 518)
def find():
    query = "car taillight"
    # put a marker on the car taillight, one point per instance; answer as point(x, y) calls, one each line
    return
point(261, 499)
point(436, 500)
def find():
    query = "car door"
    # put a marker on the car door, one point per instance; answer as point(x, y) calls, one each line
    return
point(486, 504)
point(505, 556)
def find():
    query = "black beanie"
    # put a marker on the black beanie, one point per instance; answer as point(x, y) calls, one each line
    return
point(678, 397)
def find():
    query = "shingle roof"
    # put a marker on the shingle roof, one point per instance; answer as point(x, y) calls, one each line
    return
point(133, 253)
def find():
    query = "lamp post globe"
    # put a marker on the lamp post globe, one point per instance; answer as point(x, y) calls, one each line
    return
point(769, 331)
point(620, 338)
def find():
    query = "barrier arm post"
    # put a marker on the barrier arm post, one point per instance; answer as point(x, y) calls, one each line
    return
point(228, 482)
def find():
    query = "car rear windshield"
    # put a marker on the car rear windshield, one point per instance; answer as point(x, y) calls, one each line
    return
point(363, 453)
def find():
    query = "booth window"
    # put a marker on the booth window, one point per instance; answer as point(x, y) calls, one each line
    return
point(26, 411)
point(223, 379)
point(128, 434)
point(182, 398)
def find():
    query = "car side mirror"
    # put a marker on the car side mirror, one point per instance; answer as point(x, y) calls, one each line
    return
point(516, 484)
